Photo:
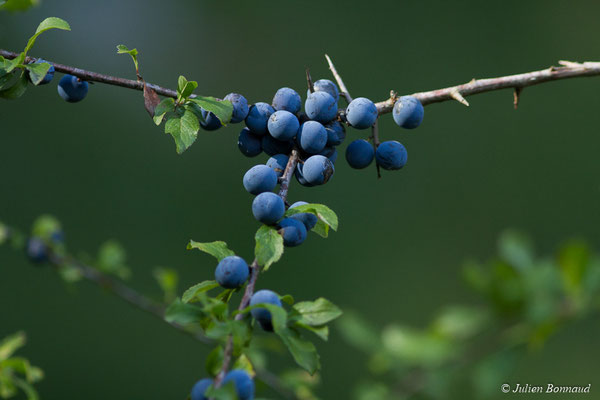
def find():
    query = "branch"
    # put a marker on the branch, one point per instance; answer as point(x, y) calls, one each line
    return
point(518, 82)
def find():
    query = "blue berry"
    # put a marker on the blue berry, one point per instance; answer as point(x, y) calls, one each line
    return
point(260, 178)
point(268, 208)
point(272, 146)
point(262, 315)
point(49, 75)
point(211, 122)
point(287, 99)
point(278, 163)
point(232, 272)
point(408, 112)
point(258, 117)
point(37, 251)
point(361, 113)
point(312, 137)
point(308, 219)
point(321, 107)
point(335, 133)
point(244, 385)
point(71, 89)
point(249, 144)
point(283, 125)
point(391, 155)
point(200, 388)
point(359, 154)
point(317, 170)
point(293, 232)
point(240, 107)
point(300, 177)
point(325, 85)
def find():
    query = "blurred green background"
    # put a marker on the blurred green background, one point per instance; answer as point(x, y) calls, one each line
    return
point(106, 171)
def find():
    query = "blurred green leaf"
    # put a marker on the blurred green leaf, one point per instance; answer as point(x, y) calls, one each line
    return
point(17, 5)
point(269, 246)
point(214, 361)
point(243, 363)
point(17, 90)
point(12, 343)
point(492, 372)
point(516, 249)
point(225, 392)
point(37, 72)
point(287, 299)
point(192, 294)
point(184, 130)
point(45, 227)
point(167, 279)
point(47, 24)
point(358, 332)
point(318, 312)
point(111, 259)
point(217, 249)
point(415, 347)
point(460, 322)
point(371, 391)
point(573, 259)
point(182, 313)
point(222, 109)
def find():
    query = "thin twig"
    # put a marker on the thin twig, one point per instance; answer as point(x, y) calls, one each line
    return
point(339, 80)
point(287, 175)
point(375, 137)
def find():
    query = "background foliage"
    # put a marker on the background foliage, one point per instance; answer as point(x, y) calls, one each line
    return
point(106, 171)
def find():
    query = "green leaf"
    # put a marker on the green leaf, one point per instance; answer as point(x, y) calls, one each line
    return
point(417, 348)
point(184, 130)
point(214, 361)
point(17, 89)
point(122, 49)
point(17, 5)
point(288, 299)
point(304, 352)
point(573, 259)
point(9, 65)
point(167, 279)
point(185, 87)
point(460, 322)
point(46, 226)
point(12, 343)
point(244, 363)
point(194, 293)
point(516, 249)
point(318, 312)
point(217, 249)
point(111, 259)
point(182, 313)
point(165, 106)
point(323, 212)
point(37, 72)
point(225, 392)
point(269, 246)
point(321, 331)
point(222, 109)
point(47, 24)
point(359, 332)
point(5, 79)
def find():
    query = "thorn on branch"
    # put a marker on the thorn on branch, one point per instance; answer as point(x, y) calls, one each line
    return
point(311, 86)
point(517, 96)
point(455, 94)
point(343, 90)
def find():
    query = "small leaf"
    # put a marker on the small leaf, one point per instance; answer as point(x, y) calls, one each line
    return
point(17, 89)
point(151, 101)
point(192, 294)
point(318, 312)
point(573, 259)
point(244, 363)
point(185, 87)
point(165, 106)
point(460, 322)
point(184, 130)
point(17, 5)
point(225, 392)
point(358, 332)
point(288, 299)
point(222, 109)
point(122, 49)
point(304, 352)
point(214, 361)
point(12, 343)
point(9, 65)
point(45, 227)
point(269, 246)
point(47, 24)
point(182, 313)
point(321, 229)
point(37, 72)
point(516, 249)
point(321, 331)
point(217, 249)
point(323, 212)
point(111, 259)
point(167, 279)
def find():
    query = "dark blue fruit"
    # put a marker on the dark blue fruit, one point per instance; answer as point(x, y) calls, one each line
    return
point(359, 154)
point(312, 137)
point(308, 219)
point(278, 163)
point(37, 251)
point(262, 315)
point(321, 107)
point(335, 133)
point(283, 125)
point(200, 389)
point(258, 117)
point(361, 113)
point(249, 144)
point(300, 177)
point(244, 385)
point(211, 122)
point(391, 155)
point(71, 89)
point(272, 146)
point(268, 208)
point(232, 272)
point(260, 178)
point(317, 170)
point(287, 99)
point(240, 107)
point(293, 232)
point(408, 112)
point(325, 85)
